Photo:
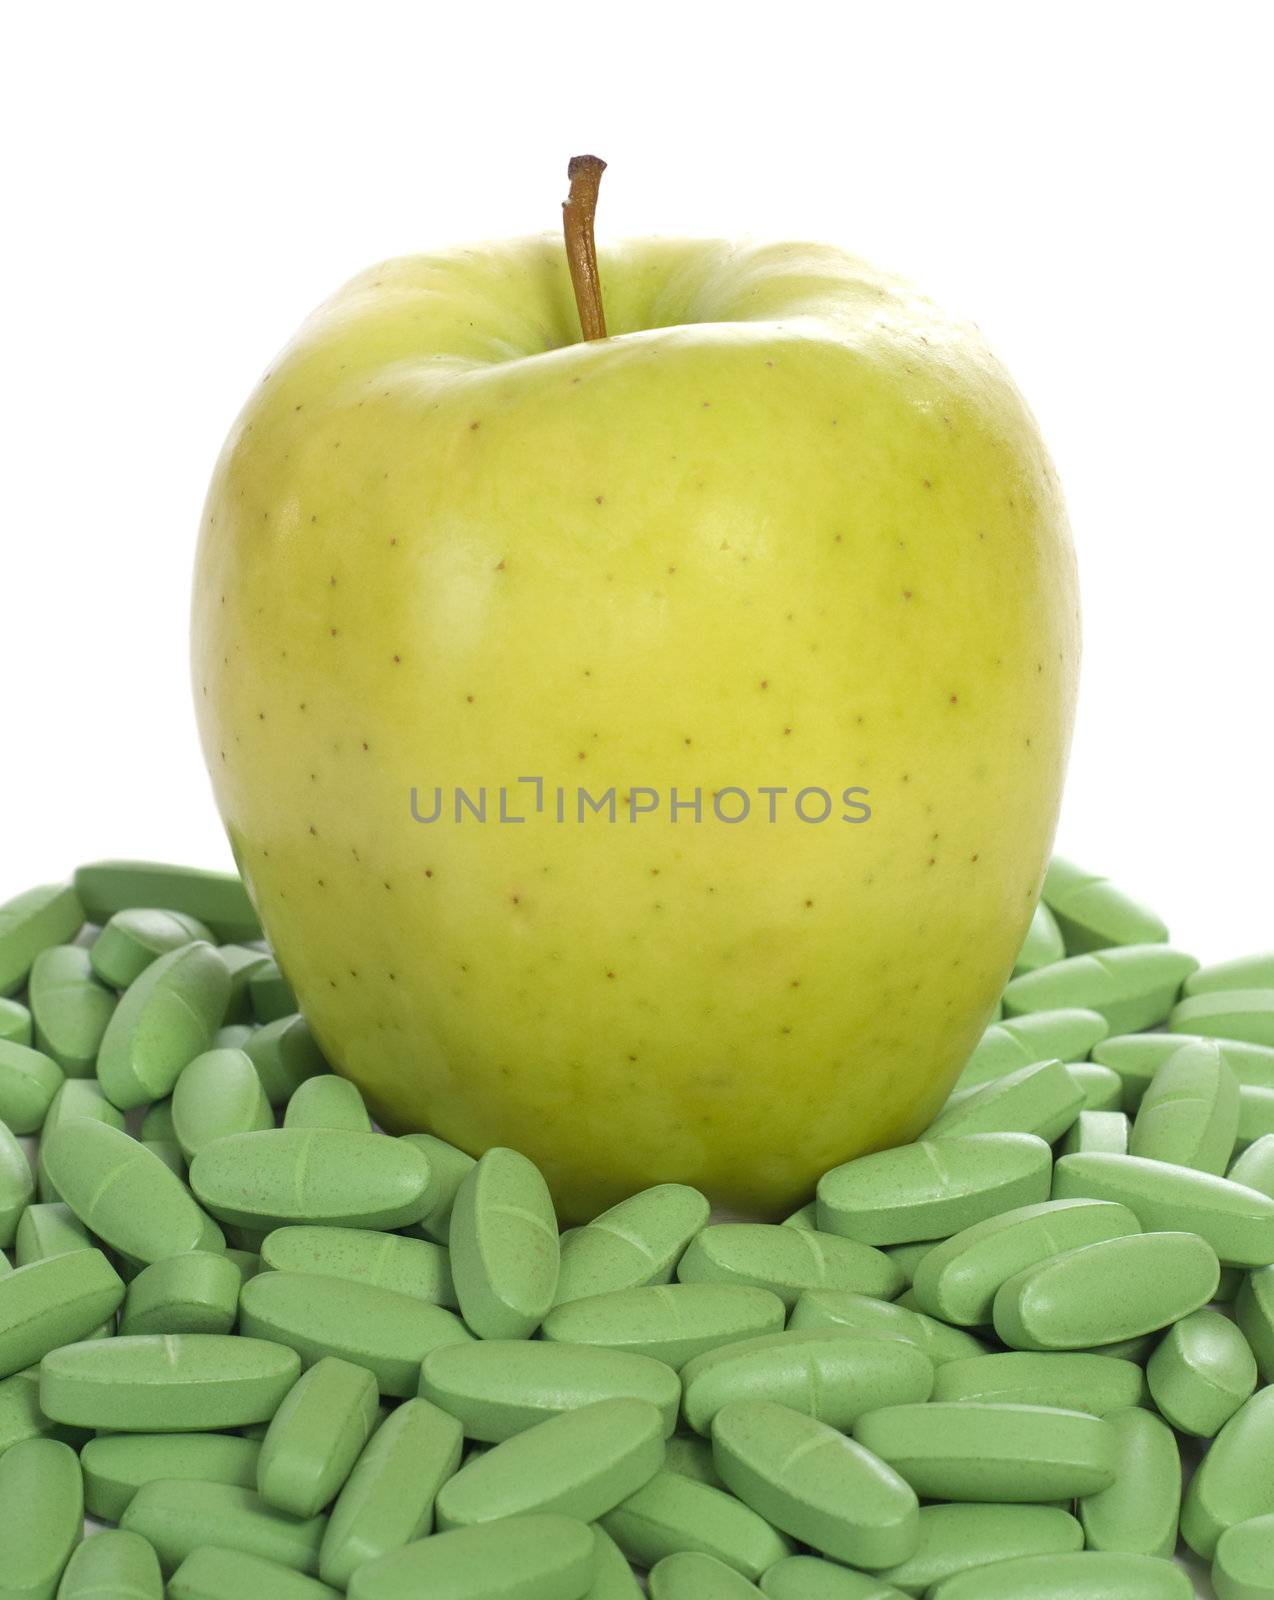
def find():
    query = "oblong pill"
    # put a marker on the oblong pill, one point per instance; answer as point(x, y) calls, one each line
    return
point(131, 939)
point(1064, 1577)
point(1094, 913)
point(814, 1483)
point(217, 898)
point(20, 1414)
point(447, 1167)
point(31, 922)
point(833, 1374)
point(15, 1022)
point(673, 1512)
point(1069, 1381)
point(839, 1308)
point(674, 1322)
point(1241, 972)
point(167, 1383)
point(505, 1254)
point(316, 1436)
point(1132, 986)
point(1136, 1057)
point(54, 1302)
point(17, 1185)
point(1243, 1568)
point(812, 1578)
point(933, 1188)
point(1236, 1221)
point(521, 1558)
point(194, 1293)
point(1101, 1088)
point(113, 1565)
point(958, 1279)
point(636, 1243)
point(1099, 1293)
point(123, 1192)
point(28, 1081)
point(388, 1498)
point(211, 1573)
point(1043, 1099)
point(389, 1334)
point(1233, 1482)
point(49, 1230)
point(1254, 1312)
point(326, 1101)
point(1066, 1034)
point(277, 1176)
point(70, 1009)
point(787, 1261)
point(688, 1575)
point(217, 1094)
point(363, 1255)
point(581, 1464)
point(1243, 1014)
point(285, 1055)
point(958, 1450)
point(613, 1578)
point(181, 1515)
point(1106, 1132)
point(498, 1387)
point(960, 1538)
point(1202, 1371)
point(271, 994)
point(1189, 1114)
point(1140, 1511)
point(166, 1018)
point(116, 1465)
point(41, 1515)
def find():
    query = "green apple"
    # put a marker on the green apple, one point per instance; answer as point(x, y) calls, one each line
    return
point(787, 528)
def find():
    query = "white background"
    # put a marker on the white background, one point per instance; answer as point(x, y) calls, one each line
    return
point(1089, 182)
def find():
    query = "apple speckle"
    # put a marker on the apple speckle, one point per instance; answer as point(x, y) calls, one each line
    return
point(429, 872)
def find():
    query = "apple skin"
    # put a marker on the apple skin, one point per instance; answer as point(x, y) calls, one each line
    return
point(788, 525)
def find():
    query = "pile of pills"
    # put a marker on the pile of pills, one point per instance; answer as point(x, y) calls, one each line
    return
point(292, 1357)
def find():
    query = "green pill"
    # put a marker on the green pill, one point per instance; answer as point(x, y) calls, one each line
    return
point(217, 1094)
point(209, 1573)
point(132, 939)
point(49, 1230)
point(1043, 944)
point(672, 1513)
point(113, 1565)
point(1136, 1057)
point(181, 1515)
point(499, 1387)
point(1102, 1089)
point(32, 922)
point(961, 1538)
point(316, 1436)
point(958, 1279)
point(933, 1188)
point(636, 1243)
point(123, 1192)
point(1068, 1381)
point(692, 1576)
point(165, 1019)
point(448, 1167)
point(787, 1261)
point(839, 1308)
point(20, 1414)
point(1235, 1480)
point(1100, 1293)
point(833, 1374)
point(1256, 1114)
point(1243, 1568)
point(327, 1101)
point(1254, 1312)
point(386, 1260)
point(613, 1578)
point(216, 898)
point(172, 1383)
point(28, 1081)
point(1138, 1514)
point(116, 1465)
point(582, 1464)
point(1236, 1221)
point(505, 1254)
point(1093, 1575)
point(389, 1334)
point(521, 1558)
point(1133, 986)
point(331, 1176)
point(69, 1008)
point(15, 1022)
point(17, 1186)
point(814, 1483)
point(1043, 1099)
point(54, 1302)
point(1093, 913)
point(806, 1217)
point(1201, 1373)
point(811, 1578)
point(194, 1293)
point(270, 993)
point(962, 1450)
point(1067, 1034)
point(671, 1322)
point(1242, 972)
point(1103, 1132)
point(77, 1099)
point(240, 961)
point(41, 1516)
point(388, 1498)
point(1189, 1114)
point(285, 1056)
point(1246, 1015)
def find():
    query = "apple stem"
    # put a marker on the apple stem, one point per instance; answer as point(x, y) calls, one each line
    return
point(578, 211)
